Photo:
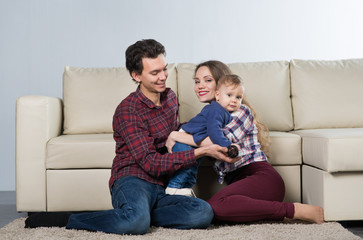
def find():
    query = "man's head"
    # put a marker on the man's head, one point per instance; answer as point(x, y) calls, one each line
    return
point(146, 63)
point(146, 48)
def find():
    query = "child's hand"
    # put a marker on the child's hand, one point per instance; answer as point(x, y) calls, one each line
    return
point(232, 151)
point(215, 151)
point(238, 147)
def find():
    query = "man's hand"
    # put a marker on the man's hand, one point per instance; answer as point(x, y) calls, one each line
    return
point(215, 151)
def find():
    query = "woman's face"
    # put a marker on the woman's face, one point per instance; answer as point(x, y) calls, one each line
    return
point(205, 85)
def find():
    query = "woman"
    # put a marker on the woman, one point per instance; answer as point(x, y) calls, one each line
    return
point(255, 190)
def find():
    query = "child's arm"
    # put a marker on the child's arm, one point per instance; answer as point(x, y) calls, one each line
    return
point(215, 122)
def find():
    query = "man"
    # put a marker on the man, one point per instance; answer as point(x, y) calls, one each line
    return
point(142, 166)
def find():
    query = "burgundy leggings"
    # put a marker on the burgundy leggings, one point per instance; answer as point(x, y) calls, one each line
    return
point(255, 193)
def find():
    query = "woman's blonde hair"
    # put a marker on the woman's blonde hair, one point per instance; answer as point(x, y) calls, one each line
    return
point(221, 71)
point(263, 134)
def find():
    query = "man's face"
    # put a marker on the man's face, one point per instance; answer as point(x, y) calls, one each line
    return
point(153, 77)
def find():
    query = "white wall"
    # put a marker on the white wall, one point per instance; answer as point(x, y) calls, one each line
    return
point(39, 37)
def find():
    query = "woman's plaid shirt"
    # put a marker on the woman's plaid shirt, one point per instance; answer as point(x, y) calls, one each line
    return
point(140, 131)
point(243, 131)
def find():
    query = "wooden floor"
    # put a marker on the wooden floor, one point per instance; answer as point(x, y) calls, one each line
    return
point(8, 213)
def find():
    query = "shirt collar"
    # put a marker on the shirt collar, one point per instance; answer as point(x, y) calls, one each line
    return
point(148, 102)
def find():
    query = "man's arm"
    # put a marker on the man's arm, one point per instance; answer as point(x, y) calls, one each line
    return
point(139, 145)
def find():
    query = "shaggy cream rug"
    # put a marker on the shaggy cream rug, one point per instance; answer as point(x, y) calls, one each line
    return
point(257, 231)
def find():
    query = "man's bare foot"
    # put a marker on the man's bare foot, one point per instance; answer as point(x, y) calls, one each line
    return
point(309, 213)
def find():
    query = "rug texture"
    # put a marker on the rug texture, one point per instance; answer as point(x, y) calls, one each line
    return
point(257, 231)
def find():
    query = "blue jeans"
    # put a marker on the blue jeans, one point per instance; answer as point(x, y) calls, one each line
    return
point(185, 177)
point(139, 204)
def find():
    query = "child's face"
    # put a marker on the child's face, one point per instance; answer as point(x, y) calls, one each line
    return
point(230, 97)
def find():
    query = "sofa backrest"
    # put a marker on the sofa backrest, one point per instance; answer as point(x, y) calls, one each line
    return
point(91, 95)
point(327, 94)
point(267, 87)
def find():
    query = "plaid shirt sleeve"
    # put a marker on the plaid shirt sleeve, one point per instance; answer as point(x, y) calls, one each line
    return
point(140, 132)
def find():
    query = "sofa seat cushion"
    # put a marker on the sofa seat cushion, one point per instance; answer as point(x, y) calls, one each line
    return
point(78, 190)
point(333, 150)
point(80, 151)
point(285, 149)
point(340, 194)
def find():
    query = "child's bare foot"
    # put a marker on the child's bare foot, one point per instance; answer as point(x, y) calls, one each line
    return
point(309, 213)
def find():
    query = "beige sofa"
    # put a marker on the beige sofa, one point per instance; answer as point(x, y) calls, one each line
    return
point(314, 110)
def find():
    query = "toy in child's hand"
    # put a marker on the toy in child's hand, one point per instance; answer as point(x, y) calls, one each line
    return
point(232, 151)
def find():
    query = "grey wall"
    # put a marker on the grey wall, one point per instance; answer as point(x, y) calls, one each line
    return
point(40, 37)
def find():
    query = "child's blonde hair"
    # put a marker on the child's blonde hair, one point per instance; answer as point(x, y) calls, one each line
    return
point(263, 134)
point(230, 79)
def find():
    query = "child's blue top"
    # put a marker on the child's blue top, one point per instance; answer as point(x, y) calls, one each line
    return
point(209, 122)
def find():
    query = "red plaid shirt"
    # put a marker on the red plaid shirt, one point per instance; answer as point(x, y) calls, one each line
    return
point(140, 131)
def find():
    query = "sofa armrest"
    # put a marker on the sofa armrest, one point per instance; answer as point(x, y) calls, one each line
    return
point(38, 119)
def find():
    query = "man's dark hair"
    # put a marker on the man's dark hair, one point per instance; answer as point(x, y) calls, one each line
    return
point(146, 48)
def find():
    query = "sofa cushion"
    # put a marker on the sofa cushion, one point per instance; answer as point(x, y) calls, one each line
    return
point(333, 150)
point(91, 96)
point(267, 89)
point(327, 94)
point(340, 194)
point(78, 190)
point(285, 149)
point(80, 151)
